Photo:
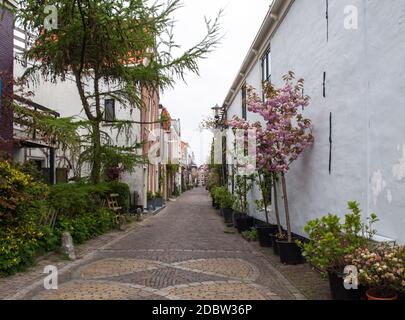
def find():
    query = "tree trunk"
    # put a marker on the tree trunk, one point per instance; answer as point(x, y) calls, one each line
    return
point(287, 212)
point(96, 165)
point(264, 196)
point(96, 169)
point(280, 231)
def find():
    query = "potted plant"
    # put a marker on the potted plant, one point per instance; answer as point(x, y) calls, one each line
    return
point(159, 202)
point(330, 242)
point(286, 135)
point(150, 201)
point(242, 221)
point(381, 269)
point(265, 231)
point(226, 201)
point(216, 195)
point(250, 235)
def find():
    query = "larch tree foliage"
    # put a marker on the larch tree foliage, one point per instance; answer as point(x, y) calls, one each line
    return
point(112, 48)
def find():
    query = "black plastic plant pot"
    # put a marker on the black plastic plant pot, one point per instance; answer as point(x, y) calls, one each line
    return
point(244, 223)
point(151, 205)
point(274, 244)
point(337, 289)
point(264, 233)
point(290, 252)
point(235, 215)
point(159, 202)
point(217, 206)
point(227, 214)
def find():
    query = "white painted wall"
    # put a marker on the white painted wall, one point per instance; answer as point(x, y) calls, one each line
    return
point(364, 92)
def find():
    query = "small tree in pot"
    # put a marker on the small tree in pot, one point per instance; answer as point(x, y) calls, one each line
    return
point(286, 136)
point(241, 219)
point(264, 175)
point(226, 202)
point(158, 199)
point(266, 231)
point(151, 201)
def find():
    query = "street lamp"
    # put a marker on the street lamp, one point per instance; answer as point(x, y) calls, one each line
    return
point(216, 110)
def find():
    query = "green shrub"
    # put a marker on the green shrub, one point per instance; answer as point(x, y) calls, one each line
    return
point(18, 246)
point(226, 199)
point(86, 226)
point(251, 234)
point(31, 168)
point(24, 202)
point(72, 199)
point(150, 195)
point(223, 197)
point(331, 240)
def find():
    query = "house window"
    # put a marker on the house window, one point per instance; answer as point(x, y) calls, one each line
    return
point(244, 102)
point(266, 66)
point(109, 109)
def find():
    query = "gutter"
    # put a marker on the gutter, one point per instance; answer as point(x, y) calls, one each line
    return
point(273, 19)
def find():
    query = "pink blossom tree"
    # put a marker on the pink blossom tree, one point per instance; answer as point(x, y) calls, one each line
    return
point(285, 134)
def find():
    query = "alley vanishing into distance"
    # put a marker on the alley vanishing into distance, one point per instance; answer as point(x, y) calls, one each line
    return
point(181, 253)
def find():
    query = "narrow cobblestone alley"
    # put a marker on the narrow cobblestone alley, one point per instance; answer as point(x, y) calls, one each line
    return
point(181, 253)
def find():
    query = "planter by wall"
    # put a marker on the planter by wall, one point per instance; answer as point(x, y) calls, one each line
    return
point(244, 223)
point(375, 294)
point(159, 202)
point(151, 205)
point(274, 244)
point(235, 215)
point(337, 289)
point(228, 215)
point(290, 253)
point(264, 232)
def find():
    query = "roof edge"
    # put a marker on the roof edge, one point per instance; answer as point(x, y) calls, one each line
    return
point(273, 19)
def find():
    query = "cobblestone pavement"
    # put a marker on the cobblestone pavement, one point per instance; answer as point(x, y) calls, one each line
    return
point(181, 253)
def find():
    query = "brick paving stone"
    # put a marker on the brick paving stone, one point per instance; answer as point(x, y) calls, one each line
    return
point(164, 277)
point(221, 291)
point(115, 267)
point(181, 253)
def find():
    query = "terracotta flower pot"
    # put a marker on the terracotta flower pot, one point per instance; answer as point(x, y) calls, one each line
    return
point(376, 294)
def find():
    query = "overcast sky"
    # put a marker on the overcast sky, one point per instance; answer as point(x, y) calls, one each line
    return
point(193, 101)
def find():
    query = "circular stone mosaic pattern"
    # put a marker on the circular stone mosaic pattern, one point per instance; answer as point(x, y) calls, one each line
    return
point(93, 290)
point(115, 267)
point(221, 291)
point(233, 268)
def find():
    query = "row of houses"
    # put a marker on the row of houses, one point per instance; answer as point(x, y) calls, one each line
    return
point(161, 140)
point(352, 57)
